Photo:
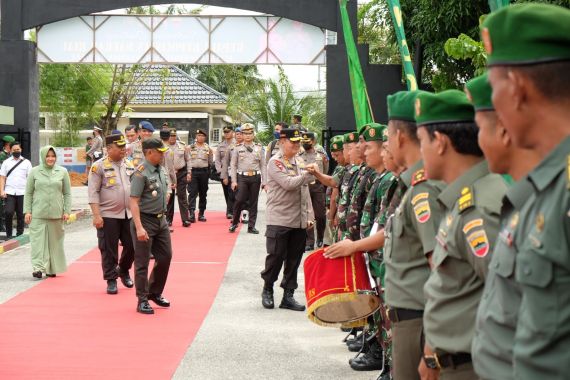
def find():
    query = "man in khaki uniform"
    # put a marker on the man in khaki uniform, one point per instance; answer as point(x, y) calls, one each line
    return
point(222, 153)
point(410, 235)
point(183, 174)
point(109, 190)
point(273, 147)
point(288, 216)
point(317, 190)
point(248, 173)
point(528, 70)
point(492, 348)
point(201, 156)
point(467, 232)
point(146, 130)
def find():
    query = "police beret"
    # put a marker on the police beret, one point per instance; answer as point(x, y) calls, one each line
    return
point(385, 135)
point(401, 105)
point(350, 137)
point(238, 129)
point(8, 139)
point(146, 125)
point(336, 145)
point(526, 34)
point(449, 106)
point(164, 133)
point(292, 134)
point(363, 128)
point(118, 140)
point(154, 143)
point(479, 93)
point(374, 132)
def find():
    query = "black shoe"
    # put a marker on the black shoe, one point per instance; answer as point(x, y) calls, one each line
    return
point(233, 227)
point(37, 274)
point(84, 183)
point(112, 287)
point(356, 344)
point(370, 361)
point(288, 302)
point(201, 217)
point(229, 216)
point(144, 308)
point(319, 243)
point(245, 221)
point(309, 248)
point(169, 224)
point(186, 224)
point(252, 230)
point(267, 298)
point(159, 300)
point(126, 280)
point(192, 218)
point(51, 275)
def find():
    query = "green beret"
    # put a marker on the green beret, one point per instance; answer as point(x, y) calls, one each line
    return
point(401, 105)
point(479, 93)
point(374, 133)
point(526, 34)
point(350, 137)
point(8, 139)
point(336, 145)
point(363, 128)
point(385, 135)
point(449, 106)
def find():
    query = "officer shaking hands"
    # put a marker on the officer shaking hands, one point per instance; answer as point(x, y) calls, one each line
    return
point(149, 229)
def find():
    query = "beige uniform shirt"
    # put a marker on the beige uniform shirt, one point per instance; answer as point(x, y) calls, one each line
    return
point(318, 157)
point(96, 146)
point(226, 164)
point(110, 187)
point(222, 154)
point(136, 153)
point(288, 198)
point(272, 149)
point(200, 156)
point(181, 156)
point(168, 165)
point(244, 161)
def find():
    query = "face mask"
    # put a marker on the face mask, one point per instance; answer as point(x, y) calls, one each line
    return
point(307, 146)
point(276, 134)
point(16, 154)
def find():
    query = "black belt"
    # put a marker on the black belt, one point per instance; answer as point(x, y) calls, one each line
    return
point(453, 360)
point(158, 216)
point(400, 315)
point(184, 169)
point(199, 169)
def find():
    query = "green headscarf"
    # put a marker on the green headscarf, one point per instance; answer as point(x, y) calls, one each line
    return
point(43, 153)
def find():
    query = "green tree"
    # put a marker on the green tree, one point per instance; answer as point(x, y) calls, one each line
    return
point(375, 30)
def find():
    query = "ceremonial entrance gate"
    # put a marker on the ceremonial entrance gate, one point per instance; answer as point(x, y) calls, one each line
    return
point(19, 58)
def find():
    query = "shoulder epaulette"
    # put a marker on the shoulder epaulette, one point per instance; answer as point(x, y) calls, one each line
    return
point(140, 168)
point(466, 199)
point(418, 177)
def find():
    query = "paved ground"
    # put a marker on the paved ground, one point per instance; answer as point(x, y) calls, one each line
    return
point(238, 339)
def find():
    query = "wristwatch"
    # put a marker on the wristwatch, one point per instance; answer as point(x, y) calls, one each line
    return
point(431, 361)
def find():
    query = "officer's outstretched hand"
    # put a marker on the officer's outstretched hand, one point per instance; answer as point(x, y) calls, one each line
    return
point(142, 235)
point(234, 186)
point(341, 249)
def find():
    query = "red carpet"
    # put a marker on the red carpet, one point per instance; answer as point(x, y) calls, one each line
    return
point(69, 328)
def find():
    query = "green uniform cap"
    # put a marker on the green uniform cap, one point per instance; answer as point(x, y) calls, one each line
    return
point(479, 93)
point(401, 105)
point(350, 137)
point(385, 135)
point(374, 133)
point(8, 139)
point(336, 145)
point(449, 106)
point(364, 128)
point(526, 34)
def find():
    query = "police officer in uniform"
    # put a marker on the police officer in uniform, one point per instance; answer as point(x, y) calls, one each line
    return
point(317, 190)
point(200, 160)
point(109, 190)
point(274, 146)
point(248, 173)
point(466, 235)
point(149, 229)
point(528, 69)
point(183, 174)
point(492, 348)
point(222, 153)
point(288, 216)
point(146, 129)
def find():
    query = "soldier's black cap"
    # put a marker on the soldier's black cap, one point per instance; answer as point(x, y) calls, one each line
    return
point(154, 143)
point(165, 134)
point(308, 136)
point(292, 134)
point(118, 140)
point(201, 132)
point(228, 128)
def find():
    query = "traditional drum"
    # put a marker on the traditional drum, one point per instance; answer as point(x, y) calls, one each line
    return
point(339, 290)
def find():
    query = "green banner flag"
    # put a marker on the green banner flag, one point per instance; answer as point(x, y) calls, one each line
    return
point(497, 4)
point(362, 109)
point(396, 13)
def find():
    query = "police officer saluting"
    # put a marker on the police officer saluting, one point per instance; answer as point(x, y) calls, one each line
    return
point(200, 160)
point(288, 216)
point(149, 229)
point(182, 169)
point(109, 190)
point(248, 175)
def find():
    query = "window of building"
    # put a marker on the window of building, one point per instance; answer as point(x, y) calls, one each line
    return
point(216, 135)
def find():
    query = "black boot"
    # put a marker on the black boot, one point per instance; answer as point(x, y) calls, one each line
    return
point(288, 302)
point(201, 216)
point(267, 298)
point(371, 361)
point(192, 217)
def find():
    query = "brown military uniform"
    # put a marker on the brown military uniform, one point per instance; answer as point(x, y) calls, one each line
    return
point(110, 188)
point(200, 159)
point(248, 170)
point(136, 153)
point(288, 211)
